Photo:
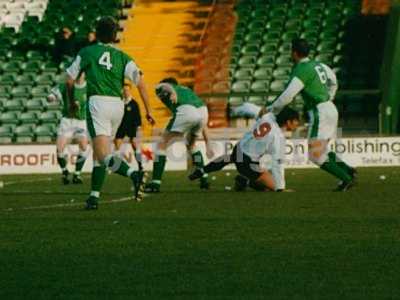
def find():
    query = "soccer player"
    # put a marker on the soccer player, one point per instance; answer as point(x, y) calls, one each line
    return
point(130, 126)
point(318, 85)
point(265, 137)
point(72, 126)
point(105, 68)
point(189, 120)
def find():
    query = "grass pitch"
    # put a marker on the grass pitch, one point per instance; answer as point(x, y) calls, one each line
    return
point(189, 244)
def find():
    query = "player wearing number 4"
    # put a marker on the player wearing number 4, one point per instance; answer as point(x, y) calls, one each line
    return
point(266, 137)
point(318, 85)
point(105, 68)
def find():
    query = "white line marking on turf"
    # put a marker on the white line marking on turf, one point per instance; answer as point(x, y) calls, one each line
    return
point(61, 205)
point(27, 181)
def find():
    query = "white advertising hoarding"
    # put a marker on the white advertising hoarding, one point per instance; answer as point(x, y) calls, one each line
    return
point(365, 152)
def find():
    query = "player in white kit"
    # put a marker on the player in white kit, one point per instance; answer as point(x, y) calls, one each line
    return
point(265, 137)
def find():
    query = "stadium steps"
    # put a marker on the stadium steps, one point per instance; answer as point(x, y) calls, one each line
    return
point(163, 38)
point(212, 67)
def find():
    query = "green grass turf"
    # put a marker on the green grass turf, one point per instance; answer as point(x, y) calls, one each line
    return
point(189, 244)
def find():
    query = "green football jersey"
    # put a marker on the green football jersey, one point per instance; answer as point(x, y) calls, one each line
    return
point(105, 68)
point(315, 80)
point(185, 96)
point(60, 92)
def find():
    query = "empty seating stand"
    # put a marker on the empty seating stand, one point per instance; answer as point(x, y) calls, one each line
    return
point(27, 32)
point(261, 53)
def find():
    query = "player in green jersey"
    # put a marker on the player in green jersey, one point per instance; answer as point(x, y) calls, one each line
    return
point(106, 68)
point(318, 85)
point(72, 126)
point(189, 120)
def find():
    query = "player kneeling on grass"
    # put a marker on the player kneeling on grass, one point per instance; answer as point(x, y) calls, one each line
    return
point(265, 137)
point(189, 120)
point(318, 85)
point(106, 67)
point(72, 126)
point(130, 126)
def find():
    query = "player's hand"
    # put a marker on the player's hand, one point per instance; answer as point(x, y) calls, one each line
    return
point(150, 119)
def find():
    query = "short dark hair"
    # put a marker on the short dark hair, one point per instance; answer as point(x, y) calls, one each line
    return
point(170, 80)
point(106, 30)
point(301, 47)
point(287, 114)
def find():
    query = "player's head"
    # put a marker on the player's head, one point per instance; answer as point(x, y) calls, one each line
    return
point(106, 30)
point(91, 37)
point(127, 90)
point(288, 118)
point(300, 49)
point(170, 80)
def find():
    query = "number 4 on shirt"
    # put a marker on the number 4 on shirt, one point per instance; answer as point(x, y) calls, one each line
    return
point(262, 130)
point(105, 60)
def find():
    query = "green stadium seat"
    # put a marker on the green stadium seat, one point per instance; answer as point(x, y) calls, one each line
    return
point(12, 66)
point(284, 61)
point(24, 134)
point(265, 61)
point(6, 134)
point(8, 79)
point(20, 91)
point(29, 117)
point(25, 79)
point(325, 58)
point(9, 117)
point(268, 49)
point(52, 106)
point(263, 74)
point(14, 105)
point(248, 62)
point(32, 66)
point(243, 74)
point(282, 73)
point(257, 100)
point(34, 104)
point(44, 134)
point(236, 101)
point(49, 117)
point(34, 55)
point(241, 86)
point(40, 91)
point(260, 86)
point(250, 50)
point(277, 86)
point(45, 79)
point(5, 91)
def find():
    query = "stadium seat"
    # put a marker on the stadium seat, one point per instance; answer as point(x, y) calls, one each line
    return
point(29, 117)
point(257, 100)
point(263, 74)
point(6, 134)
point(19, 91)
point(9, 117)
point(34, 104)
point(40, 91)
point(14, 105)
point(49, 117)
point(44, 133)
point(24, 134)
point(236, 101)
point(277, 86)
point(260, 86)
point(241, 86)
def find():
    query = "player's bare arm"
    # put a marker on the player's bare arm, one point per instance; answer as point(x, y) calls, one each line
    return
point(142, 89)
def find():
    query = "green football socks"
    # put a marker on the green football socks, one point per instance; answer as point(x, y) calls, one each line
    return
point(62, 161)
point(345, 167)
point(80, 161)
point(98, 177)
point(333, 168)
point(158, 167)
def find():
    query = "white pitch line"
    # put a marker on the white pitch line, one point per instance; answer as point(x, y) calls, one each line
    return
point(61, 205)
point(27, 181)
